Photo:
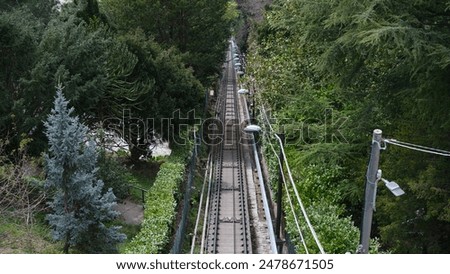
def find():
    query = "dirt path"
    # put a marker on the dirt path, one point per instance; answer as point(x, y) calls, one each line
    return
point(131, 212)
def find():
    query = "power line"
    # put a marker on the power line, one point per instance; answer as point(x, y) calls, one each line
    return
point(280, 165)
point(208, 163)
point(302, 238)
point(302, 207)
point(419, 148)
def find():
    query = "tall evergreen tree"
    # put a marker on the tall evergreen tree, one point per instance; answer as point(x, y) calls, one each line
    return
point(81, 208)
point(20, 32)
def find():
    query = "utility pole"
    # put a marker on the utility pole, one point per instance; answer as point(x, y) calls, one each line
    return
point(371, 186)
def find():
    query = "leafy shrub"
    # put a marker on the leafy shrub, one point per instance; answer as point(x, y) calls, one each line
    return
point(160, 207)
point(337, 234)
point(114, 175)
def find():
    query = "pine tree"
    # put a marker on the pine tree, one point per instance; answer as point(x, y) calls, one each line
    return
point(81, 208)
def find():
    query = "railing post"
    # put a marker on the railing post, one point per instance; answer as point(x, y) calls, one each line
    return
point(280, 198)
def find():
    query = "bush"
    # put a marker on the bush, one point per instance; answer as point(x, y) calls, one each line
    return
point(114, 175)
point(160, 207)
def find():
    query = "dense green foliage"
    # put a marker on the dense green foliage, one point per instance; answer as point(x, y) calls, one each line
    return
point(157, 226)
point(135, 78)
point(19, 36)
point(120, 76)
point(331, 72)
point(114, 175)
point(199, 29)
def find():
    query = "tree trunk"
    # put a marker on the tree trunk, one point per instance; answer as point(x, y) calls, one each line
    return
point(66, 246)
point(135, 154)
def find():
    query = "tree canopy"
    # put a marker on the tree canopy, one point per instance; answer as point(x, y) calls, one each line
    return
point(199, 29)
point(117, 74)
point(332, 71)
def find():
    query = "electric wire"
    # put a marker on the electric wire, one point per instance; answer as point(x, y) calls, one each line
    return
point(297, 223)
point(302, 207)
point(207, 205)
point(280, 165)
point(419, 148)
point(200, 205)
point(410, 146)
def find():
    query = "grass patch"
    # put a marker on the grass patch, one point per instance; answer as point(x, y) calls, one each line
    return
point(143, 177)
point(18, 238)
point(130, 231)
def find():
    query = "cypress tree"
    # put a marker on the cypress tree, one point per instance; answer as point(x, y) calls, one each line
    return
point(81, 208)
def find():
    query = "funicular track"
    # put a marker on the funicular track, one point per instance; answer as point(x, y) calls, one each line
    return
point(228, 226)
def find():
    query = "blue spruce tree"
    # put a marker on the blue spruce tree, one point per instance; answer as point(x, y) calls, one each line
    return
point(81, 207)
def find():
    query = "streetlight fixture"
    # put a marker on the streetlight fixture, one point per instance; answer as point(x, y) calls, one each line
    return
point(249, 104)
point(252, 129)
point(243, 91)
point(255, 130)
point(393, 187)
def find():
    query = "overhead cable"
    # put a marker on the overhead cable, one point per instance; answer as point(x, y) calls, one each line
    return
point(280, 165)
point(419, 148)
point(302, 207)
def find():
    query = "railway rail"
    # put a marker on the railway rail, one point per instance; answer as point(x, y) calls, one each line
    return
point(228, 227)
point(236, 217)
